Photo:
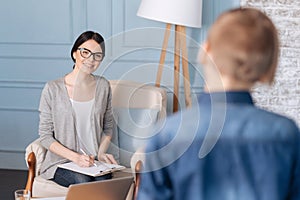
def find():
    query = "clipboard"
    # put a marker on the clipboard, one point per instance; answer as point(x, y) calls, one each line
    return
point(100, 169)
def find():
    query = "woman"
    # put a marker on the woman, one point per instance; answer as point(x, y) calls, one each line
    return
point(76, 118)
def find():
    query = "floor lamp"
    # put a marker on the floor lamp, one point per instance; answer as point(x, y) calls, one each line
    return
point(181, 13)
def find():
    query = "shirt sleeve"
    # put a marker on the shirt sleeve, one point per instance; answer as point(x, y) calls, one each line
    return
point(295, 185)
point(46, 128)
point(155, 182)
point(108, 121)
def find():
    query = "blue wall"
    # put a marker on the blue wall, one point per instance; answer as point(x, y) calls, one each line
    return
point(35, 41)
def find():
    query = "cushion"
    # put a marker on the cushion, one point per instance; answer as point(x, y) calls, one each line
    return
point(135, 126)
point(45, 188)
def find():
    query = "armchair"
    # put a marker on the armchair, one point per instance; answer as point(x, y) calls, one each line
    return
point(136, 107)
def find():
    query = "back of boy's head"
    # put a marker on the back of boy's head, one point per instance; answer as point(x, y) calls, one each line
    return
point(244, 44)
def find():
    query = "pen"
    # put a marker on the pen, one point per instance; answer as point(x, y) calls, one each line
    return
point(86, 154)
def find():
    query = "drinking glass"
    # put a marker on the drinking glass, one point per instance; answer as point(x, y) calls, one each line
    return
point(22, 194)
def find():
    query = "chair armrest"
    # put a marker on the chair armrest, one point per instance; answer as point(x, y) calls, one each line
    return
point(139, 155)
point(31, 162)
point(136, 164)
point(34, 156)
point(138, 170)
point(39, 152)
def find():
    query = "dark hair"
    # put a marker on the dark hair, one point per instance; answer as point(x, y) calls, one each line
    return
point(85, 36)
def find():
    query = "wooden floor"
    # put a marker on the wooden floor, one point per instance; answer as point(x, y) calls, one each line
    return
point(11, 180)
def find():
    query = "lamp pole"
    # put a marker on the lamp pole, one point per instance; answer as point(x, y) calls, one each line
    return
point(180, 51)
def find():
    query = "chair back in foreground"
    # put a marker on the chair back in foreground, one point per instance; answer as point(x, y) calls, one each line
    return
point(137, 108)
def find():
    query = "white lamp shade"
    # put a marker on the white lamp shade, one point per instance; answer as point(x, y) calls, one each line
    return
point(181, 12)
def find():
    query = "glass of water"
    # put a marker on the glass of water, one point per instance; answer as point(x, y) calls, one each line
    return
point(22, 194)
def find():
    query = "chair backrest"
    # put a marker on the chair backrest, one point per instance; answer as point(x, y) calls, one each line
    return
point(136, 107)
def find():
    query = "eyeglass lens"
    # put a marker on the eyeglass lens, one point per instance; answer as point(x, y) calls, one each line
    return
point(85, 53)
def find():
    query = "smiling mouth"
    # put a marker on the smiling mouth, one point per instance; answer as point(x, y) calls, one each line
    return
point(88, 66)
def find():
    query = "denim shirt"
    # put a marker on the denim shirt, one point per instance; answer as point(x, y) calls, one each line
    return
point(224, 148)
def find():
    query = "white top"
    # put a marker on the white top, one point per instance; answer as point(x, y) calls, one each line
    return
point(83, 113)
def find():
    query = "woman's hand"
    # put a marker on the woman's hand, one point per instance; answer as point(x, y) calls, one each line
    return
point(108, 158)
point(84, 160)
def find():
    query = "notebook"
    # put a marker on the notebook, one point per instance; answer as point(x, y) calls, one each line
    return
point(100, 169)
point(112, 189)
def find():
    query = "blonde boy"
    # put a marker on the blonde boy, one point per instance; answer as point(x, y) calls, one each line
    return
point(225, 147)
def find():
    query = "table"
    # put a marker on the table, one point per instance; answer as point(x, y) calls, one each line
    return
point(50, 198)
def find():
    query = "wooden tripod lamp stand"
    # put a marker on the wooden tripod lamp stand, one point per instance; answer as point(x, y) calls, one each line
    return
point(181, 13)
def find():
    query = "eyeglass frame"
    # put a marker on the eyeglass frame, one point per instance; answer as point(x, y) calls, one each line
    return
point(91, 54)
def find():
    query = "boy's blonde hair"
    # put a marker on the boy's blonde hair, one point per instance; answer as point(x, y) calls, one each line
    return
point(244, 44)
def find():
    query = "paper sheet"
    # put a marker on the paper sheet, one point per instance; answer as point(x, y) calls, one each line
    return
point(99, 170)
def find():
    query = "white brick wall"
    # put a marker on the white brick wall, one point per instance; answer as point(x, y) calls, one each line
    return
point(284, 96)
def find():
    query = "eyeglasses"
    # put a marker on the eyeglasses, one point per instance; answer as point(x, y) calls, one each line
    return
point(85, 53)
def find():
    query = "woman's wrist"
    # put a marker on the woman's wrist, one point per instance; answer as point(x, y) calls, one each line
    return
point(100, 156)
point(74, 156)
point(108, 158)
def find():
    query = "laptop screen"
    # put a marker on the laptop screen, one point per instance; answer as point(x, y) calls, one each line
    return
point(112, 189)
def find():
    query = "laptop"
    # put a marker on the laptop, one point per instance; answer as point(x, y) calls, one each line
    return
point(112, 189)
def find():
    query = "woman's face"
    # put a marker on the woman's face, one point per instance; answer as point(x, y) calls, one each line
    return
point(88, 56)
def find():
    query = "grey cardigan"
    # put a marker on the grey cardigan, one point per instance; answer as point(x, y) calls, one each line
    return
point(57, 122)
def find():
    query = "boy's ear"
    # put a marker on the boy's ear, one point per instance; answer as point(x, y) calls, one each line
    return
point(206, 47)
point(203, 53)
point(267, 78)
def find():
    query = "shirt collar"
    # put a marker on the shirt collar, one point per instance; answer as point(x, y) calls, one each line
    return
point(236, 97)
